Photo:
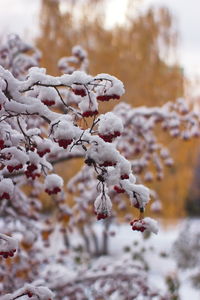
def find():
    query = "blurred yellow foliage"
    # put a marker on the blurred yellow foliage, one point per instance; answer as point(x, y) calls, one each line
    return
point(136, 52)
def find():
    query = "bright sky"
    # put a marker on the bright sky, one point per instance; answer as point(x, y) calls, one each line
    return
point(21, 16)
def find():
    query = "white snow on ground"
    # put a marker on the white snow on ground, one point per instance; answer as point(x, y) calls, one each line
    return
point(157, 253)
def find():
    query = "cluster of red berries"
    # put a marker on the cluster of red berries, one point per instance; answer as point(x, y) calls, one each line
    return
point(108, 164)
point(7, 254)
point(30, 171)
point(42, 153)
point(12, 168)
point(124, 176)
point(109, 137)
point(101, 216)
point(107, 97)
point(90, 113)
point(48, 102)
point(55, 190)
point(118, 189)
point(138, 224)
point(64, 143)
point(29, 294)
point(79, 92)
point(5, 195)
point(2, 144)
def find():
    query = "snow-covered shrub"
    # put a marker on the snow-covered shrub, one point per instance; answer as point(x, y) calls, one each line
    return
point(40, 125)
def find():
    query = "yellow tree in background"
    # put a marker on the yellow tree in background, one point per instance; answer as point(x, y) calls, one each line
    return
point(136, 52)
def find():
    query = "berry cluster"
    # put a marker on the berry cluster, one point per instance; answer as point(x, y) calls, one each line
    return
point(124, 176)
point(101, 216)
point(30, 171)
point(64, 143)
point(48, 102)
point(53, 191)
point(109, 137)
point(2, 144)
point(107, 97)
point(5, 196)
point(90, 113)
point(79, 92)
point(42, 153)
point(108, 164)
point(118, 189)
point(138, 225)
point(12, 168)
point(7, 254)
point(29, 294)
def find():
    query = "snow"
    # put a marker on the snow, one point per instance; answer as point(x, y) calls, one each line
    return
point(110, 123)
point(52, 181)
point(157, 252)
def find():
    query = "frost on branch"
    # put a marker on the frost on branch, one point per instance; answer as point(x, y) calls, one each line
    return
point(31, 291)
point(145, 224)
point(53, 184)
point(14, 56)
point(102, 206)
point(8, 246)
point(110, 127)
point(45, 120)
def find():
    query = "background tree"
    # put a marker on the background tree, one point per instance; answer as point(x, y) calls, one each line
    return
point(43, 122)
point(137, 52)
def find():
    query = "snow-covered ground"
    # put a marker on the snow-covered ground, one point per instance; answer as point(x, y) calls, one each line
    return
point(159, 256)
point(155, 250)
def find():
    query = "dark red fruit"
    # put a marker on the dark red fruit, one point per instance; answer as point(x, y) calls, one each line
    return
point(101, 216)
point(108, 164)
point(118, 189)
point(64, 143)
point(29, 294)
point(7, 254)
point(109, 137)
point(2, 144)
point(79, 92)
point(138, 225)
point(55, 190)
point(106, 137)
point(90, 113)
point(5, 196)
point(42, 153)
point(48, 102)
point(107, 97)
point(10, 168)
point(124, 176)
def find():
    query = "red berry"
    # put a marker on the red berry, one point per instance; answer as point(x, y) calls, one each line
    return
point(107, 137)
point(124, 176)
point(101, 216)
point(42, 153)
point(80, 92)
point(107, 97)
point(64, 143)
point(5, 196)
point(107, 164)
point(29, 294)
point(55, 190)
point(90, 113)
point(138, 225)
point(10, 168)
point(118, 189)
point(2, 144)
point(48, 102)
point(117, 133)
